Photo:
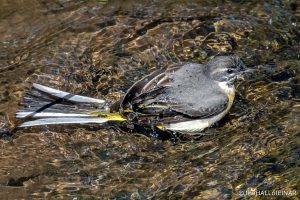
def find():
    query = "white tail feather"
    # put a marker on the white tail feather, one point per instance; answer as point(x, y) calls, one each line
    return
point(40, 108)
point(62, 120)
point(49, 115)
point(66, 95)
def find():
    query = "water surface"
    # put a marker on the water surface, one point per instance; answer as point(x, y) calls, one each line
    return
point(100, 48)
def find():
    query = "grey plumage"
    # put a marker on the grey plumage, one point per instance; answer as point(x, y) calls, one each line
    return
point(192, 93)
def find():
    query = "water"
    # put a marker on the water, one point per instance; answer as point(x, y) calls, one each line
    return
point(99, 49)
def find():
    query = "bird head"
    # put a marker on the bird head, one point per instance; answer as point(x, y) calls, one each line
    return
point(226, 68)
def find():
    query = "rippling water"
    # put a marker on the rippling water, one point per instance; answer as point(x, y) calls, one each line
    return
point(100, 48)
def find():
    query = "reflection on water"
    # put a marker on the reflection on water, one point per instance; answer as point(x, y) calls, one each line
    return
point(100, 49)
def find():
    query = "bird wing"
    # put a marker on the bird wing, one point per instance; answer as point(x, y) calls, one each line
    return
point(149, 98)
point(206, 110)
point(148, 87)
point(170, 108)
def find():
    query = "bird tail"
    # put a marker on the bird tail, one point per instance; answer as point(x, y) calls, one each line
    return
point(44, 106)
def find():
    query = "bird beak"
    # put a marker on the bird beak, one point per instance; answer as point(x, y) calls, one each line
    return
point(242, 74)
point(249, 71)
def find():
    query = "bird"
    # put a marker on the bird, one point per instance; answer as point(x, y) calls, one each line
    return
point(183, 97)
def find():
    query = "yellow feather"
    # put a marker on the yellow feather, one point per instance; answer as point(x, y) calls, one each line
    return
point(115, 116)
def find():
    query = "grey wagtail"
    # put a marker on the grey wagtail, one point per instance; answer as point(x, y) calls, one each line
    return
point(185, 97)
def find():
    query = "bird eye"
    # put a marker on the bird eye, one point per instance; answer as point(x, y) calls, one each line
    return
point(229, 71)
